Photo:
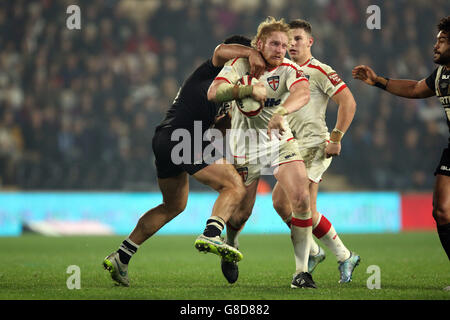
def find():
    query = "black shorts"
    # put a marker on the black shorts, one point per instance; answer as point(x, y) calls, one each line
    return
point(444, 165)
point(184, 154)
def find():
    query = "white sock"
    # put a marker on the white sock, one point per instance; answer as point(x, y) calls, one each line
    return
point(314, 246)
point(301, 236)
point(326, 233)
point(314, 249)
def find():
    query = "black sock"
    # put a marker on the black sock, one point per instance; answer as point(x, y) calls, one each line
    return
point(444, 236)
point(214, 227)
point(126, 251)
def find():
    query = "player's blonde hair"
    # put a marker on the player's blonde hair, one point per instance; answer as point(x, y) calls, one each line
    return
point(268, 26)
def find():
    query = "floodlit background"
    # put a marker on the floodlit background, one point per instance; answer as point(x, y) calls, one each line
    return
point(78, 109)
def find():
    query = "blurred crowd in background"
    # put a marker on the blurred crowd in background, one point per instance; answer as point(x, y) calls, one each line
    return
point(78, 108)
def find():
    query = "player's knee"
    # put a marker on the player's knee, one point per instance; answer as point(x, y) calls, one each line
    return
point(176, 207)
point(235, 187)
point(300, 201)
point(441, 213)
point(239, 189)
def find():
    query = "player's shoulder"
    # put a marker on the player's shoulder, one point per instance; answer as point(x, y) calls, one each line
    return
point(318, 67)
point(237, 62)
point(322, 72)
point(288, 64)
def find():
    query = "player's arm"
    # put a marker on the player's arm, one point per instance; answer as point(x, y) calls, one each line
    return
point(225, 52)
point(403, 88)
point(299, 95)
point(346, 112)
point(223, 90)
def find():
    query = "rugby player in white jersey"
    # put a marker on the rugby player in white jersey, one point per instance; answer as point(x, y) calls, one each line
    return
point(281, 76)
point(317, 147)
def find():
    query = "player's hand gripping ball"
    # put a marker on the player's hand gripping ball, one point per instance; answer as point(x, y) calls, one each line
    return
point(249, 106)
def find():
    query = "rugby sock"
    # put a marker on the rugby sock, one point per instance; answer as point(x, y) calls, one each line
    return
point(214, 226)
point(232, 235)
point(444, 236)
point(126, 250)
point(301, 236)
point(314, 246)
point(325, 232)
point(314, 249)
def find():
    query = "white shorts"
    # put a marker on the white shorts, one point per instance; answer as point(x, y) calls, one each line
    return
point(251, 171)
point(316, 162)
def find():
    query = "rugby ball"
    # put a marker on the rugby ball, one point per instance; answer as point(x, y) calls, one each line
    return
point(248, 106)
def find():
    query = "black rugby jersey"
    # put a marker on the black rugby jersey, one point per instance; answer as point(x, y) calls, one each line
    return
point(191, 103)
point(439, 82)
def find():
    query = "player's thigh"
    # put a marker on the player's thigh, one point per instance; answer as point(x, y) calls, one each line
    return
point(313, 192)
point(292, 176)
point(175, 192)
point(441, 199)
point(293, 179)
point(219, 175)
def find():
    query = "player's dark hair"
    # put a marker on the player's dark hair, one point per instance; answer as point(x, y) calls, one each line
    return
point(300, 24)
point(239, 40)
point(444, 25)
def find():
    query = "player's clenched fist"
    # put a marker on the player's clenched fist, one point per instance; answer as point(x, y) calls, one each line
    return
point(276, 126)
point(259, 93)
point(257, 64)
point(333, 149)
point(364, 73)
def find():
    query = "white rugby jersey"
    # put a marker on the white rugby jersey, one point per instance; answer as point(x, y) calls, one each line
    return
point(308, 124)
point(277, 81)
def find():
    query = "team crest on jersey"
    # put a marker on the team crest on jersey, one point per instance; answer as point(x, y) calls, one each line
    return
point(243, 172)
point(273, 82)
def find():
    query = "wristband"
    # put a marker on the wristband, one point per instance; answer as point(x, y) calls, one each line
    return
point(281, 111)
point(244, 91)
point(336, 136)
point(227, 92)
point(380, 85)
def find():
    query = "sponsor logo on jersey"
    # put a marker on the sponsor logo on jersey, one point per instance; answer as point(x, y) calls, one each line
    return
point(334, 78)
point(273, 82)
point(272, 102)
point(290, 155)
point(299, 74)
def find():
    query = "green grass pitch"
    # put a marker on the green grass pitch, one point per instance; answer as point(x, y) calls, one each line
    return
point(412, 266)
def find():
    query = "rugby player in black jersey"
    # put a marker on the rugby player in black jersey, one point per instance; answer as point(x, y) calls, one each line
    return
point(437, 84)
point(191, 113)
